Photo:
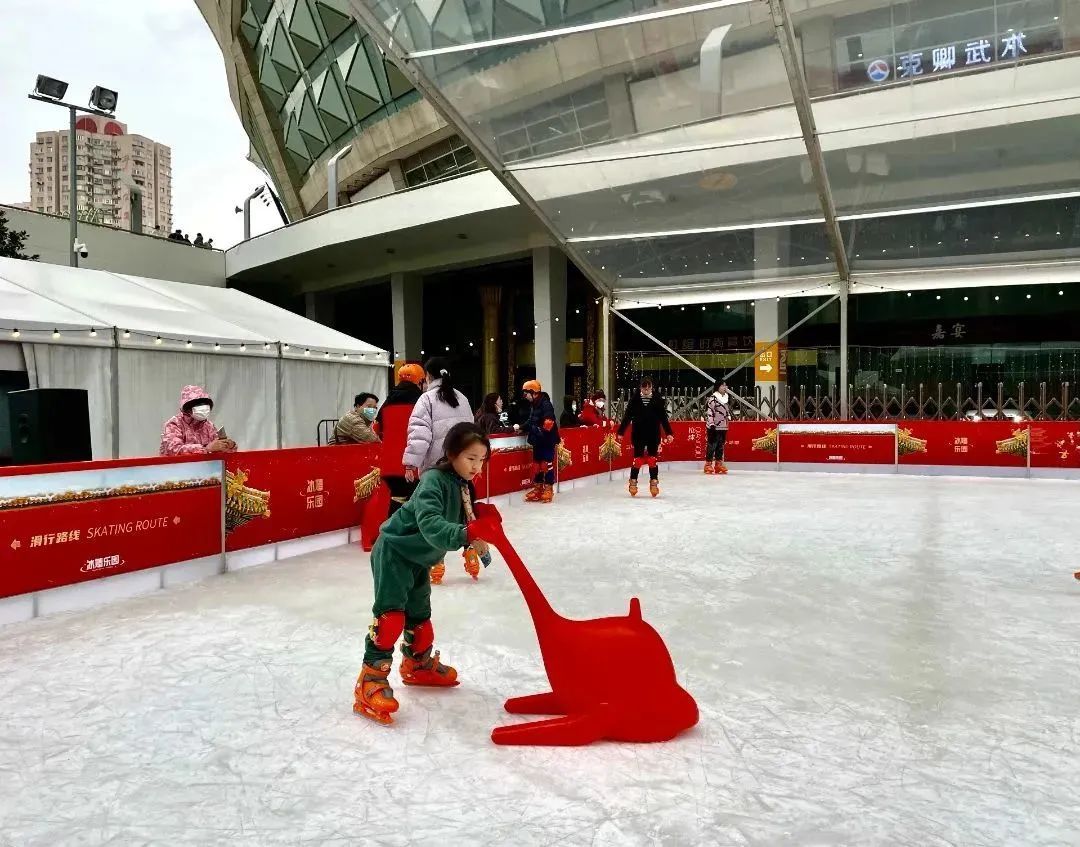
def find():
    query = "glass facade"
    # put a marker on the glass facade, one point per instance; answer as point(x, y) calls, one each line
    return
point(663, 144)
point(322, 76)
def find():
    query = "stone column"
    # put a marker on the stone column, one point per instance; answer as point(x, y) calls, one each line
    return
point(491, 300)
point(407, 305)
point(549, 312)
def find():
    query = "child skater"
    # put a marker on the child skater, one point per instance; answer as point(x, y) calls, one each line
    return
point(647, 413)
point(543, 436)
point(717, 418)
point(441, 515)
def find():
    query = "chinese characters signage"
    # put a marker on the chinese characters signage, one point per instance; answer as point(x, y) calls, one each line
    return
point(971, 53)
point(770, 363)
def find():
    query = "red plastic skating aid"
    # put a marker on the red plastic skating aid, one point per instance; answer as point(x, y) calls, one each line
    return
point(598, 699)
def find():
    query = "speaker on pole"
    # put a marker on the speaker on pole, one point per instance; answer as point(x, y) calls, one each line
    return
point(49, 425)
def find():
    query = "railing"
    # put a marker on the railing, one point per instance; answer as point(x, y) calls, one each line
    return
point(870, 403)
point(324, 433)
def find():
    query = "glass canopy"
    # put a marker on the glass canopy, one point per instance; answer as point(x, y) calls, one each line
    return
point(663, 147)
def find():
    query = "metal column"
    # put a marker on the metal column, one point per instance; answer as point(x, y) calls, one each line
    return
point(73, 209)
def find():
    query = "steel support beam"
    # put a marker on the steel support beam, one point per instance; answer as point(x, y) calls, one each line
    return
point(785, 37)
point(415, 73)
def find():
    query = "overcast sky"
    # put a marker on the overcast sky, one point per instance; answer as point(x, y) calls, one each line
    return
point(162, 58)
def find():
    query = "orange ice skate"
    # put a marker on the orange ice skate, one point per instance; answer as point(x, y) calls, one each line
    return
point(373, 696)
point(426, 669)
point(472, 562)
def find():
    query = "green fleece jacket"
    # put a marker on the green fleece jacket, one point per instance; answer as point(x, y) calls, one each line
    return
point(431, 523)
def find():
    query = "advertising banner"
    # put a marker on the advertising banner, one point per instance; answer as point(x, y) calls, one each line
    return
point(1000, 444)
point(751, 441)
point(76, 525)
point(827, 443)
point(278, 495)
point(1055, 445)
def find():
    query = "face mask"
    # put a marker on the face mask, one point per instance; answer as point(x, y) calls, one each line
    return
point(646, 397)
point(368, 413)
point(573, 406)
point(200, 413)
point(599, 404)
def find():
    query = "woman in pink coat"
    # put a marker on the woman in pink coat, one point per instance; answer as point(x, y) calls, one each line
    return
point(190, 432)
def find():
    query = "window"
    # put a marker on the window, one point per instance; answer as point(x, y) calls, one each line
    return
point(452, 157)
point(565, 123)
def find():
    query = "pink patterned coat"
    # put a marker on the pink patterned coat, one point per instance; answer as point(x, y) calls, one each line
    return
point(183, 435)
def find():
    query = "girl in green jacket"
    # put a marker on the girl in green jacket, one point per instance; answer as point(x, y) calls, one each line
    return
point(441, 515)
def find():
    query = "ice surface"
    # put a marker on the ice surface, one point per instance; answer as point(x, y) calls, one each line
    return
point(878, 661)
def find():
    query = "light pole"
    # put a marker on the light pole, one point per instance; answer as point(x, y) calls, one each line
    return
point(103, 103)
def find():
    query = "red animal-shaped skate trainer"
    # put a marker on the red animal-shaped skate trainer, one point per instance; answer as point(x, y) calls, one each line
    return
point(611, 678)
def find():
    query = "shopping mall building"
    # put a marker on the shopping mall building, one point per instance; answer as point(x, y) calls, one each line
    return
point(572, 187)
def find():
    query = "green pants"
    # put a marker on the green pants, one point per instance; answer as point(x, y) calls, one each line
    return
point(399, 584)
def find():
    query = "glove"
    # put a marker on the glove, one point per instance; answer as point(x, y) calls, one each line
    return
point(482, 529)
point(486, 511)
point(549, 425)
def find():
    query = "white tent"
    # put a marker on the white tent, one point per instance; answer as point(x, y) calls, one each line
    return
point(134, 342)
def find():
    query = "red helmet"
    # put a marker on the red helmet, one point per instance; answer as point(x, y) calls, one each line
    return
point(410, 373)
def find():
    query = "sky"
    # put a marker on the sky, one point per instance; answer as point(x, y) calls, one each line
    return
point(163, 60)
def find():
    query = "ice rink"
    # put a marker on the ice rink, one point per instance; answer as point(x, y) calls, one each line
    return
point(878, 660)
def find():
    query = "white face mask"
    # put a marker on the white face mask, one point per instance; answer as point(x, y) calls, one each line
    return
point(573, 406)
point(599, 404)
point(200, 413)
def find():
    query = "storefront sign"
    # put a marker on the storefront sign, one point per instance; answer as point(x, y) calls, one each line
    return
point(838, 444)
point(973, 53)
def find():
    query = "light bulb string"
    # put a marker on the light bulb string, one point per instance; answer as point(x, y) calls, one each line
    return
point(71, 333)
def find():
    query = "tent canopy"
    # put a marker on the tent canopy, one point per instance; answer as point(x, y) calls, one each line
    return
point(38, 298)
point(132, 343)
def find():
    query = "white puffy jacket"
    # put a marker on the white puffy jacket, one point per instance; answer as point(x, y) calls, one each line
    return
point(429, 423)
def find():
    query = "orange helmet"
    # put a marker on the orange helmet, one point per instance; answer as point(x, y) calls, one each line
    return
point(532, 385)
point(410, 373)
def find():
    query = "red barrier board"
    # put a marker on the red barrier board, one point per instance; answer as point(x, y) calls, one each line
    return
point(1055, 445)
point(584, 445)
point(838, 447)
point(997, 444)
point(77, 540)
point(278, 495)
point(751, 441)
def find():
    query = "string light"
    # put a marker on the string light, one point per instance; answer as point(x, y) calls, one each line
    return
point(327, 354)
point(285, 347)
point(217, 346)
point(243, 348)
point(188, 345)
point(127, 333)
point(157, 340)
point(307, 352)
point(56, 333)
point(909, 294)
point(15, 333)
point(266, 346)
point(447, 349)
point(1029, 297)
point(93, 333)
point(1061, 294)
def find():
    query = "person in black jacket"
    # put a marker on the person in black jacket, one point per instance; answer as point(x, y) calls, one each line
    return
point(646, 416)
point(543, 435)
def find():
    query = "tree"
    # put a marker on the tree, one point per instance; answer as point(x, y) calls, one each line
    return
point(13, 242)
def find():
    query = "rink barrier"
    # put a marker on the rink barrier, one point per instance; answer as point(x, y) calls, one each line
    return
point(74, 536)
